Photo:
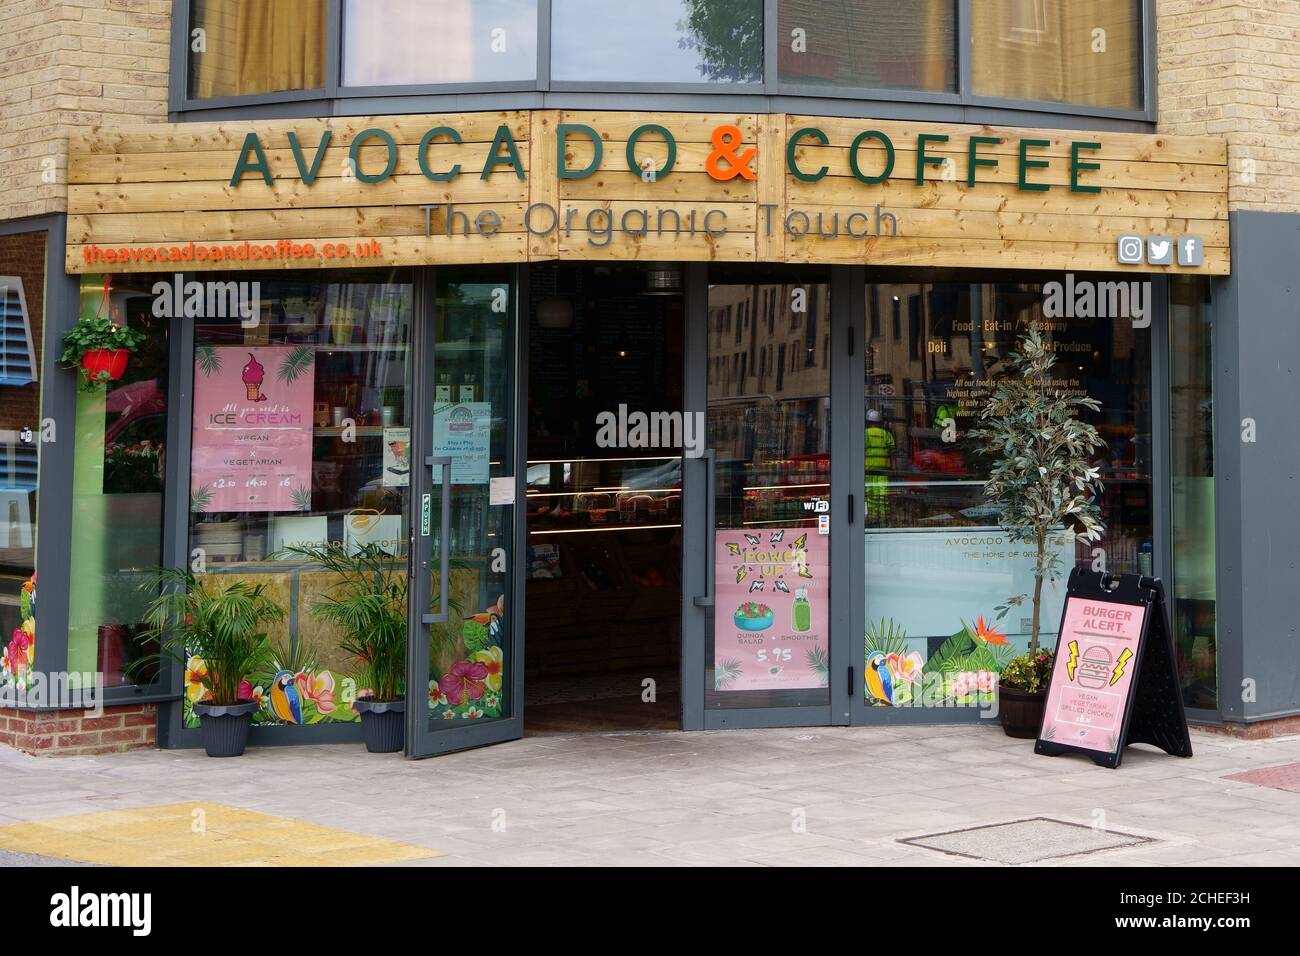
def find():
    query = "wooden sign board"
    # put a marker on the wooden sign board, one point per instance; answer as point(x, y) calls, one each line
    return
point(1114, 677)
point(518, 186)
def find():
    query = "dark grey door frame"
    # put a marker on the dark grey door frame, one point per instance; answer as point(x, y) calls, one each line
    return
point(421, 739)
point(698, 531)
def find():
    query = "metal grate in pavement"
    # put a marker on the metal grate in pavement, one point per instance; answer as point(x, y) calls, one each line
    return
point(1025, 841)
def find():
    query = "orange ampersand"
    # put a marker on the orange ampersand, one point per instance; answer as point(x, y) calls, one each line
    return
point(726, 139)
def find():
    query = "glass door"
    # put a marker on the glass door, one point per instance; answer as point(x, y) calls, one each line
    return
point(762, 608)
point(464, 688)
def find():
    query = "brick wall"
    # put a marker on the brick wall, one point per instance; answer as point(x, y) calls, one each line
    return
point(67, 64)
point(1231, 68)
point(76, 732)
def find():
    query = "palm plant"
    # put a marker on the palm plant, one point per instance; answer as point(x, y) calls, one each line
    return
point(1042, 478)
point(368, 603)
point(221, 625)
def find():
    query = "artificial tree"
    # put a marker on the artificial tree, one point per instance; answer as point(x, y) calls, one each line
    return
point(1042, 477)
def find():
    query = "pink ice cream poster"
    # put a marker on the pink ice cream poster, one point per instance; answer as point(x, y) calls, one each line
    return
point(252, 442)
point(1093, 671)
point(772, 609)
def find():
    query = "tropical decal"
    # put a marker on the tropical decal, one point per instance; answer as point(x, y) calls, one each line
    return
point(19, 655)
point(962, 670)
point(471, 688)
point(286, 695)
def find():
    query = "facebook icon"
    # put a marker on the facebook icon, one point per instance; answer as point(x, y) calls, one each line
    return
point(1191, 251)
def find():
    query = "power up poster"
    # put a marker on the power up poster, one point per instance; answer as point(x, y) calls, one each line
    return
point(1094, 667)
point(771, 610)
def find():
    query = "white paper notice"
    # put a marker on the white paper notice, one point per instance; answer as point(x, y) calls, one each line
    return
point(501, 491)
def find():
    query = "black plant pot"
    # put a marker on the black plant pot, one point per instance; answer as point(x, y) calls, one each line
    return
point(383, 724)
point(1021, 711)
point(224, 729)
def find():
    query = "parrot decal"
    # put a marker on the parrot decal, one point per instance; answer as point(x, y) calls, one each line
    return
point(880, 684)
point(286, 704)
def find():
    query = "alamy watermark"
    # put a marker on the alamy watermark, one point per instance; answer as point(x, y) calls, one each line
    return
point(1088, 299)
point(624, 429)
point(208, 300)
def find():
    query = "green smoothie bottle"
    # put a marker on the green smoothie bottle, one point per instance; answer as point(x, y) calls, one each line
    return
point(801, 612)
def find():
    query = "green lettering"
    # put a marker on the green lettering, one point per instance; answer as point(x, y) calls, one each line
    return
point(791, 162)
point(309, 174)
point(422, 154)
point(252, 142)
point(562, 144)
point(511, 159)
point(631, 149)
point(354, 152)
point(975, 143)
point(923, 160)
point(1076, 166)
point(1027, 164)
point(884, 141)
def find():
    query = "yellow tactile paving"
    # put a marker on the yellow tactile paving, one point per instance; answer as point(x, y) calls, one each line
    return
point(177, 835)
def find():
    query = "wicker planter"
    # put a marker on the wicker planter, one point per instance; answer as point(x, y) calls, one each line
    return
point(1021, 711)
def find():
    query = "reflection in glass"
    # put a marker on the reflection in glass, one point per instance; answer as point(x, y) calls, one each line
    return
point(768, 424)
point(1191, 468)
point(937, 562)
point(469, 657)
point(117, 493)
point(869, 44)
point(404, 42)
point(657, 41)
point(22, 327)
point(300, 430)
point(1062, 51)
point(257, 46)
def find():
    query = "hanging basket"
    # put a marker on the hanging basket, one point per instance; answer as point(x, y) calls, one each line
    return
point(105, 365)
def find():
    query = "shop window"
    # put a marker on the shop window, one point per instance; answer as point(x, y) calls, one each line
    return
point(1089, 54)
point(412, 42)
point(1191, 470)
point(870, 44)
point(117, 491)
point(301, 438)
point(938, 565)
point(22, 298)
point(657, 41)
point(243, 47)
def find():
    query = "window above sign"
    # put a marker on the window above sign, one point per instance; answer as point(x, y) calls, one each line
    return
point(1042, 55)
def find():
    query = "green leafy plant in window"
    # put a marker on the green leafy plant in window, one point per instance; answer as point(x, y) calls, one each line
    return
point(368, 603)
point(217, 631)
point(1042, 478)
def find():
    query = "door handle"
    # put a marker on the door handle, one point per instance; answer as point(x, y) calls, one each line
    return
point(444, 543)
point(710, 519)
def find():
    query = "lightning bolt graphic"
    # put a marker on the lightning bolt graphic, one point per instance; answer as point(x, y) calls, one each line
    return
point(1073, 664)
point(1118, 672)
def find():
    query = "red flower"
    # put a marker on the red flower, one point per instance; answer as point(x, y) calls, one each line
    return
point(464, 680)
point(245, 690)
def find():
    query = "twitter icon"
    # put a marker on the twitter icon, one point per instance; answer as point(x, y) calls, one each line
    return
point(1160, 251)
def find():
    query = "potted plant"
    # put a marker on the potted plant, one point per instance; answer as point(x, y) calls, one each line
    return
point(368, 603)
point(1042, 481)
point(100, 348)
point(217, 631)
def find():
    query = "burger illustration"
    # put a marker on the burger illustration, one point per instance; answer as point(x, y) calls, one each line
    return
point(1094, 669)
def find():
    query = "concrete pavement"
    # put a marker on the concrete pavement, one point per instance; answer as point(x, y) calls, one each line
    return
point(826, 796)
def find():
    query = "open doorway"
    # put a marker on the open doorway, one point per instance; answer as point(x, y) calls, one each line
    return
point(603, 581)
